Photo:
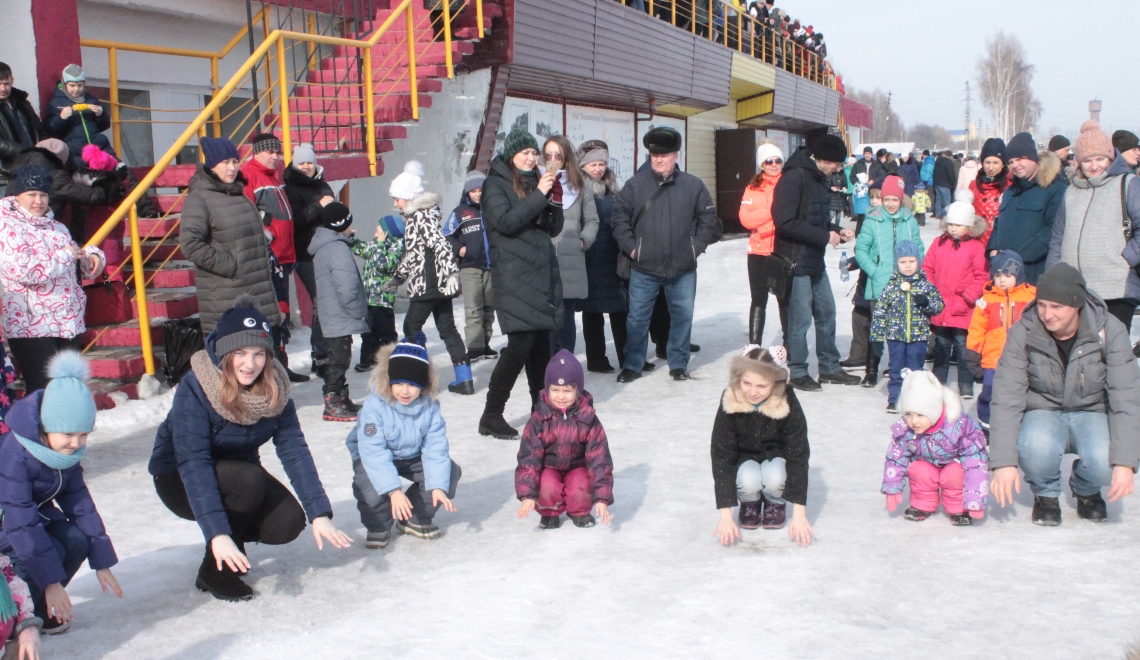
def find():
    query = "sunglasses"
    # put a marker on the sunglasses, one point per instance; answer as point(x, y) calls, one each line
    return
point(557, 157)
point(774, 161)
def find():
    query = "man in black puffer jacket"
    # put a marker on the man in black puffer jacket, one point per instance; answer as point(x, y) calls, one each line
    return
point(19, 125)
point(803, 232)
point(663, 242)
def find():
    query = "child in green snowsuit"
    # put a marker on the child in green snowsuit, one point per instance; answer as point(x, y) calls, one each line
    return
point(381, 257)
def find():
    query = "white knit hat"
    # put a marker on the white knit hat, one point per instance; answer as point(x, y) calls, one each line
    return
point(408, 184)
point(766, 151)
point(304, 153)
point(961, 212)
point(922, 394)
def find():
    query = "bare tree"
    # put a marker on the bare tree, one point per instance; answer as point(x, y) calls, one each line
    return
point(888, 124)
point(1005, 77)
point(929, 136)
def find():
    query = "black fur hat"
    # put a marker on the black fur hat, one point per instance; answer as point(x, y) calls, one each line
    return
point(662, 140)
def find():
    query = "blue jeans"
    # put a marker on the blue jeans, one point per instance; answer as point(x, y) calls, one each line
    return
point(681, 293)
point(811, 299)
point(72, 547)
point(1047, 435)
point(904, 355)
point(753, 478)
point(941, 201)
point(985, 398)
point(568, 335)
point(948, 340)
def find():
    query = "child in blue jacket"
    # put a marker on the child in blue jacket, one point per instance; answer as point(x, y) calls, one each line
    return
point(400, 433)
point(50, 523)
point(468, 237)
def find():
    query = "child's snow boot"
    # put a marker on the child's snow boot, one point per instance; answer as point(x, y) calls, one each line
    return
point(550, 522)
point(917, 515)
point(871, 377)
point(224, 584)
point(775, 515)
point(750, 514)
point(463, 384)
point(583, 521)
point(378, 540)
point(1091, 507)
point(54, 627)
point(961, 519)
point(335, 410)
point(418, 530)
point(1046, 511)
point(352, 407)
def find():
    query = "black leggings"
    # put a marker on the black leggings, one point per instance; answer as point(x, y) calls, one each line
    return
point(420, 310)
point(1123, 309)
point(594, 332)
point(260, 508)
point(760, 291)
point(33, 355)
point(529, 350)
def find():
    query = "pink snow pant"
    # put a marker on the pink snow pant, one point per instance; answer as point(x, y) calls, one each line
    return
point(560, 491)
point(926, 479)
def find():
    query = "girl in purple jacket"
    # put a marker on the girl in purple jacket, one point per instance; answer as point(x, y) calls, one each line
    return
point(50, 525)
point(940, 450)
point(564, 458)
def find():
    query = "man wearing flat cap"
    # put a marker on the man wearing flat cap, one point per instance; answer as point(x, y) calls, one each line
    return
point(1066, 383)
point(663, 220)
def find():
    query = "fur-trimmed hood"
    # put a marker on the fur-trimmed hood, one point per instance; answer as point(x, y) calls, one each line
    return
point(378, 381)
point(1049, 167)
point(977, 230)
point(775, 406)
point(424, 201)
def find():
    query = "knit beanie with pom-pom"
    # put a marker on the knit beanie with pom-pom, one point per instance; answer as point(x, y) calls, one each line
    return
point(67, 405)
point(922, 394)
point(1093, 142)
point(408, 184)
point(961, 212)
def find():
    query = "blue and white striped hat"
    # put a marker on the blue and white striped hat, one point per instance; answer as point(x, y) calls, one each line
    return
point(409, 362)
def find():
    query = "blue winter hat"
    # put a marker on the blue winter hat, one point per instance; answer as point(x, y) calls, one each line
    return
point(905, 249)
point(67, 405)
point(1021, 146)
point(216, 150)
point(409, 363)
point(474, 181)
point(994, 147)
point(1008, 262)
point(242, 326)
point(393, 225)
point(30, 177)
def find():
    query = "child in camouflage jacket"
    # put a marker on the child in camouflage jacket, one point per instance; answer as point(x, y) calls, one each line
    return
point(381, 258)
point(902, 317)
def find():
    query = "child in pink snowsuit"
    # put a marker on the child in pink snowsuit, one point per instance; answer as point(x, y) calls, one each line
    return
point(18, 621)
point(940, 450)
point(564, 457)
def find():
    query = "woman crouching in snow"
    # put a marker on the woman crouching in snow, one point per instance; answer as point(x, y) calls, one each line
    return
point(205, 460)
point(760, 448)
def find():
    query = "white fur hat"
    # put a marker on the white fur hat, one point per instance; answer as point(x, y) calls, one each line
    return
point(924, 395)
point(766, 151)
point(408, 184)
point(961, 212)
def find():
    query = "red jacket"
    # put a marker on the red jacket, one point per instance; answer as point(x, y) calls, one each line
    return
point(960, 273)
point(756, 216)
point(987, 200)
point(264, 189)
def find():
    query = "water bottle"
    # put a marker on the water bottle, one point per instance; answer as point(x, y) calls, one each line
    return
point(844, 274)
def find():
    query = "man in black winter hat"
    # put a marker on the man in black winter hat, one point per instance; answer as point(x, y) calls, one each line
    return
point(1066, 383)
point(663, 220)
point(800, 205)
point(1128, 145)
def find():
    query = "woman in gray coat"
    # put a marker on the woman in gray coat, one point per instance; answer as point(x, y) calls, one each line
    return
point(579, 230)
point(222, 234)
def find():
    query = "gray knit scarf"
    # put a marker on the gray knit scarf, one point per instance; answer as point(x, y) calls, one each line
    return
point(255, 407)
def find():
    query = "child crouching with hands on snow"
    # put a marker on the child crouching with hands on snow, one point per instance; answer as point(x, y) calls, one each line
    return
point(564, 457)
point(400, 433)
point(940, 450)
point(760, 448)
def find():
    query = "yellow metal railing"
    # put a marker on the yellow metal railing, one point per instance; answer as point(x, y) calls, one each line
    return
point(729, 24)
point(273, 43)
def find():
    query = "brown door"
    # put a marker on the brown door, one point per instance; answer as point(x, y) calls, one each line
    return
point(735, 167)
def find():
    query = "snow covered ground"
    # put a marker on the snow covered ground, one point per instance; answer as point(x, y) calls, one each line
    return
point(655, 584)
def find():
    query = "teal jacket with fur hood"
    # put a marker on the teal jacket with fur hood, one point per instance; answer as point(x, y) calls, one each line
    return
point(875, 245)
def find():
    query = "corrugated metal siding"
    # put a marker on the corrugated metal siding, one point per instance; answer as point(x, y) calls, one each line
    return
point(555, 35)
point(785, 102)
point(810, 103)
point(701, 150)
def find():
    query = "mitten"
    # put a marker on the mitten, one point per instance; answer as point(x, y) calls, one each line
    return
point(555, 195)
point(893, 501)
point(921, 299)
point(451, 285)
point(391, 285)
point(977, 514)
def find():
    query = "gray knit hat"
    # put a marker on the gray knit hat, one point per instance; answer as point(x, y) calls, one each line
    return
point(1064, 285)
point(241, 326)
point(73, 73)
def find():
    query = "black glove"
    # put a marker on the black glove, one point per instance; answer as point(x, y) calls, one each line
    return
point(921, 299)
point(545, 220)
point(852, 264)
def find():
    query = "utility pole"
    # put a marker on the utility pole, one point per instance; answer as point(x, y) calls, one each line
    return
point(967, 116)
point(888, 133)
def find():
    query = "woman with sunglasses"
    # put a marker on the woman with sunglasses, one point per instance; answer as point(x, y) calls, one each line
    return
point(756, 216)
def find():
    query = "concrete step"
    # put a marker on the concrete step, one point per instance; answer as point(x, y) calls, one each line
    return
point(170, 304)
point(168, 203)
point(118, 363)
point(122, 334)
point(155, 251)
point(155, 228)
point(174, 275)
point(174, 176)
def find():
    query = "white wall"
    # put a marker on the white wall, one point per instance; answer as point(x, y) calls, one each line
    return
point(443, 140)
point(20, 47)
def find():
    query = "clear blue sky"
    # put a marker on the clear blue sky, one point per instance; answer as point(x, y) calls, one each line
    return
point(924, 51)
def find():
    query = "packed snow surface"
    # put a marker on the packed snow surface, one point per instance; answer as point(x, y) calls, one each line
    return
point(654, 584)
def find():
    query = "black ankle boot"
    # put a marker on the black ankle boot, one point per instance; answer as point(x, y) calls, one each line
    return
point(756, 317)
point(871, 378)
point(225, 584)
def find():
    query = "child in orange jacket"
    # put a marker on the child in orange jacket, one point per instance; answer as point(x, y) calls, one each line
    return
point(1001, 305)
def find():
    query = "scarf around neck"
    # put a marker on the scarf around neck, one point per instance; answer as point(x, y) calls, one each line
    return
point(255, 407)
point(48, 456)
